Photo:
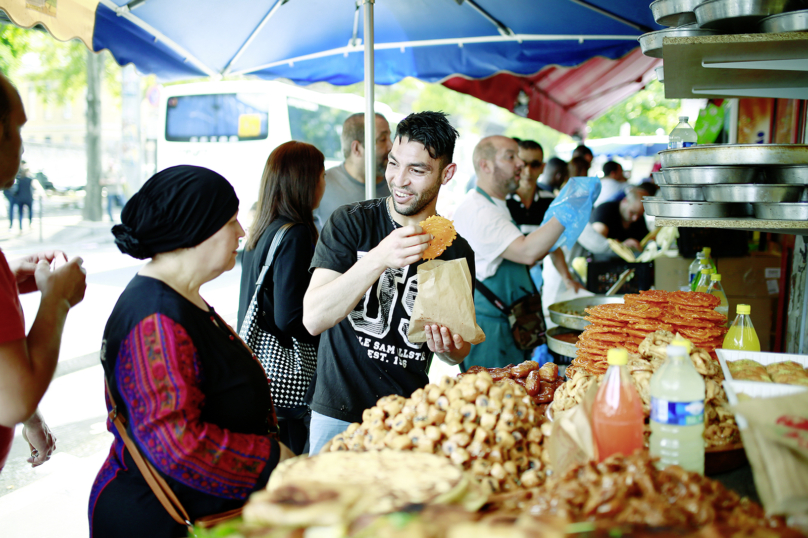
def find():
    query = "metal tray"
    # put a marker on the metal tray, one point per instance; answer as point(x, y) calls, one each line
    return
point(791, 175)
point(651, 43)
point(659, 178)
point(738, 16)
point(752, 193)
point(682, 193)
point(559, 346)
point(570, 314)
point(793, 21)
point(735, 155)
point(657, 207)
point(782, 211)
point(674, 12)
point(710, 175)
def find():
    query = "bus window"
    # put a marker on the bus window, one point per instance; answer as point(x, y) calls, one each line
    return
point(224, 117)
point(318, 125)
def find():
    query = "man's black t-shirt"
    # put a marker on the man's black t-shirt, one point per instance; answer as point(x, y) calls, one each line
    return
point(609, 214)
point(367, 355)
point(529, 218)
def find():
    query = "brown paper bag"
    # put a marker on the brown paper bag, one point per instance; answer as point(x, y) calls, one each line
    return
point(572, 441)
point(776, 443)
point(445, 298)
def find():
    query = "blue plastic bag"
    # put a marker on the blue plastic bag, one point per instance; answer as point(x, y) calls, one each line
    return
point(573, 207)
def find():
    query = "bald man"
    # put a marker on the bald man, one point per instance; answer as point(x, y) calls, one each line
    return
point(502, 253)
point(27, 362)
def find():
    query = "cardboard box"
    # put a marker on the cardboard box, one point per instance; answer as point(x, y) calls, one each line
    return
point(764, 316)
point(750, 276)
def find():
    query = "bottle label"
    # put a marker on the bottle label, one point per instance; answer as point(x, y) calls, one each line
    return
point(687, 144)
point(677, 413)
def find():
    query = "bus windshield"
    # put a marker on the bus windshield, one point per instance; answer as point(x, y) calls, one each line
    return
point(319, 125)
point(221, 117)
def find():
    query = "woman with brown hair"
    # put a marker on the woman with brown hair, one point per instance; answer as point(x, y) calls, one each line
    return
point(292, 186)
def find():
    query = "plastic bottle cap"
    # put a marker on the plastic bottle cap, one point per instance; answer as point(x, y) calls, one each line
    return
point(618, 357)
point(715, 276)
point(707, 251)
point(705, 271)
point(744, 309)
point(682, 342)
point(684, 118)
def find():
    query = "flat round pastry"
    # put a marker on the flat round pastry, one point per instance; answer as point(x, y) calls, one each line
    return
point(442, 231)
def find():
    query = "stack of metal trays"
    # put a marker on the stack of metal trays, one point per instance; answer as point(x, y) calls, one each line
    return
point(674, 12)
point(768, 181)
point(651, 43)
point(791, 21)
point(743, 16)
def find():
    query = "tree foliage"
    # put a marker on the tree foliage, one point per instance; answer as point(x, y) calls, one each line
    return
point(13, 46)
point(646, 111)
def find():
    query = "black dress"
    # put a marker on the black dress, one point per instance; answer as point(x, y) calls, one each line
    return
point(197, 405)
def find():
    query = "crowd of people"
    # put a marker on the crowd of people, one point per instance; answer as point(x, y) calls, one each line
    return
point(322, 269)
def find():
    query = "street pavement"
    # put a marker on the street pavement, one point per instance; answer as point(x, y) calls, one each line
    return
point(51, 500)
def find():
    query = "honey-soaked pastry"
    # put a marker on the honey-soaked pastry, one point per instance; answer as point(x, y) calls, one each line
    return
point(748, 370)
point(443, 234)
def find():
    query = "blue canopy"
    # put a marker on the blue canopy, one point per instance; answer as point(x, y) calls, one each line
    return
point(321, 40)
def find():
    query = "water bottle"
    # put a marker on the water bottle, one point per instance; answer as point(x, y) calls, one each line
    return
point(695, 269)
point(617, 417)
point(717, 289)
point(704, 263)
point(677, 411)
point(741, 334)
point(704, 281)
point(683, 135)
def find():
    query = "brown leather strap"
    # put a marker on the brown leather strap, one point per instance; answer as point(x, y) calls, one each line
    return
point(157, 483)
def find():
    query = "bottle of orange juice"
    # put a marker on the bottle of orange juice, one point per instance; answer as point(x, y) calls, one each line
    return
point(617, 417)
point(741, 334)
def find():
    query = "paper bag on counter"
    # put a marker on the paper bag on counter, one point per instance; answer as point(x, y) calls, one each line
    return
point(445, 298)
point(776, 442)
point(572, 441)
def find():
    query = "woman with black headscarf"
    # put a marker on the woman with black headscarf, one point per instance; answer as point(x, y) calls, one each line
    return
point(195, 401)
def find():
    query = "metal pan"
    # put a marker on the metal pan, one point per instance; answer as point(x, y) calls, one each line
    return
point(560, 346)
point(711, 175)
point(570, 314)
point(657, 207)
point(752, 193)
point(659, 178)
point(674, 12)
point(735, 155)
point(781, 211)
point(791, 175)
point(793, 21)
point(738, 16)
point(651, 43)
point(682, 193)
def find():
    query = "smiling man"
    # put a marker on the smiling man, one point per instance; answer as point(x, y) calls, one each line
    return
point(365, 282)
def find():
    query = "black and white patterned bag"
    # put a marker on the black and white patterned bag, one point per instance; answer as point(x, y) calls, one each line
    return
point(289, 370)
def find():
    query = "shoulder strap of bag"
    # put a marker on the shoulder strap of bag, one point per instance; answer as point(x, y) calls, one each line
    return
point(496, 301)
point(157, 483)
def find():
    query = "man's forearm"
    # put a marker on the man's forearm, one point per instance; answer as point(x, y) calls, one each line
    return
point(560, 264)
point(542, 240)
point(328, 304)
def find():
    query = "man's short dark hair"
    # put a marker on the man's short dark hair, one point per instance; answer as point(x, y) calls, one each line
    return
point(530, 145)
point(5, 105)
point(353, 128)
point(636, 194)
point(610, 167)
point(582, 151)
point(433, 130)
point(555, 165)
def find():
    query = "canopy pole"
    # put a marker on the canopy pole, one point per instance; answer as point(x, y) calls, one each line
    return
point(370, 98)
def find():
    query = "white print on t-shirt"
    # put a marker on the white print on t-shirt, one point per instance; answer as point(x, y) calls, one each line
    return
point(373, 316)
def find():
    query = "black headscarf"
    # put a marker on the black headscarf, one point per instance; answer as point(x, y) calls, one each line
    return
point(180, 207)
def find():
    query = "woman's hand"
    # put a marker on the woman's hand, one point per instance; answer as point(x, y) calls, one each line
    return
point(23, 269)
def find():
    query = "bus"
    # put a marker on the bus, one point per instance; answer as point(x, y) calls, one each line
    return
point(231, 127)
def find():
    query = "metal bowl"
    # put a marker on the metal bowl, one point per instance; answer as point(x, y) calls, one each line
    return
point(570, 314)
point(682, 193)
point(658, 207)
point(735, 155)
point(651, 43)
point(659, 178)
point(738, 16)
point(782, 211)
point(560, 346)
point(674, 12)
point(710, 175)
point(792, 21)
point(740, 194)
point(791, 175)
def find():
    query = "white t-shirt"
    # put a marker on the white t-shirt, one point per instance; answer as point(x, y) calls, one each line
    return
point(609, 187)
point(488, 228)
